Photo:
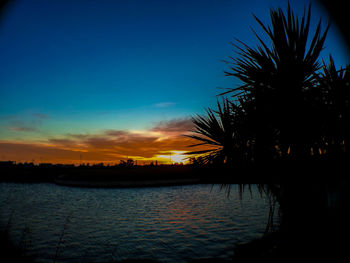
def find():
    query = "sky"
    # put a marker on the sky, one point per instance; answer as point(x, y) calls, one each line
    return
point(100, 81)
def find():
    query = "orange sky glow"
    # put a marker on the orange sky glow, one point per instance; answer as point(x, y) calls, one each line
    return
point(164, 143)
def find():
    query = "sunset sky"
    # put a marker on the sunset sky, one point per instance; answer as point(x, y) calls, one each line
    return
point(100, 81)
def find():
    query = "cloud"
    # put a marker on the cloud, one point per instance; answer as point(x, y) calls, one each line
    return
point(77, 135)
point(116, 133)
point(40, 115)
point(22, 129)
point(28, 123)
point(62, 142)
point(164, 104)
point(26, 152)
point(106, 146)
point(182, 125)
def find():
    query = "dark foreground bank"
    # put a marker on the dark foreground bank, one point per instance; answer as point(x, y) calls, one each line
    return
point(271, 248)
point(134, 176)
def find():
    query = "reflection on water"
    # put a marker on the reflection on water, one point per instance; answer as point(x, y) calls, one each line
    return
point(168, 224)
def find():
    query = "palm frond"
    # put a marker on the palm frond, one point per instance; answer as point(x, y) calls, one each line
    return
point(278, 80)
point(216, 129)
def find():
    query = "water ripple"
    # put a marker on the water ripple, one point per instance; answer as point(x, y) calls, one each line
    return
point(169, 224)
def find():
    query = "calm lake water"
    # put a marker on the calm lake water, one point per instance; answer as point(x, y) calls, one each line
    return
point(168, 224)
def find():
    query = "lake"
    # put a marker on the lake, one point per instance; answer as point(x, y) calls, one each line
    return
point(168, 224)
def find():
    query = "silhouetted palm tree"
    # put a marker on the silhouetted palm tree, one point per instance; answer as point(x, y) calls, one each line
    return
point(218, 131)
point(286, 108)
point(282, 97)
point(279, 81)
point(335, 85)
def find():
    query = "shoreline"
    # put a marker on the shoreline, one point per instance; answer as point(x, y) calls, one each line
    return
point(126, 184)
point(129, 177)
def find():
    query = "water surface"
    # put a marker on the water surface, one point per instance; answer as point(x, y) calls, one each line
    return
point(168, 224)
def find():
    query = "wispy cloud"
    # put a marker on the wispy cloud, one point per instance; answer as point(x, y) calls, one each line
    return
point(29, 123)
point(22, 129)
point(107, 145)
point(181, 125)
point(40, 116)
point(164, 104)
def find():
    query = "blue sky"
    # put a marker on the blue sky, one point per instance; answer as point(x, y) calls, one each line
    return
point(88, 66)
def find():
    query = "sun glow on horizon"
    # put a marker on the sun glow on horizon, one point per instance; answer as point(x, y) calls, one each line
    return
point(173, 157)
